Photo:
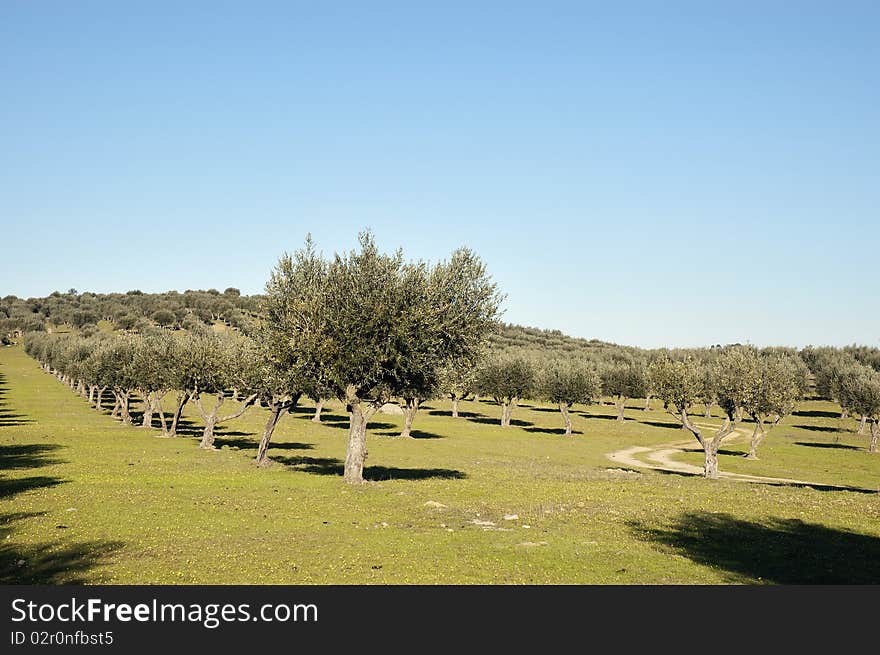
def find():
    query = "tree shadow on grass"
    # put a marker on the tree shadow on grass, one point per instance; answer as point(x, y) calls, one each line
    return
point(556, 431)
point(29, 455)
point(486, 420)
point(816, 413)
point(187, 428)
point(816, 428)
point(553, 410)
point(48, 563)
point(334, 466)
point(341, 422)
point(662, 424)
point(13, 486)
point(415, 434)
point(776, 550)
point(251, 444)
point(834, 446)
point(444, 412)
point(10, 419)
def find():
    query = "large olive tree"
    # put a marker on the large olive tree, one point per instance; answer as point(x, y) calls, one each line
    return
point(368, 324)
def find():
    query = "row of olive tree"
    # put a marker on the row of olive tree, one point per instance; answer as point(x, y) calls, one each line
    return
point(149, 367)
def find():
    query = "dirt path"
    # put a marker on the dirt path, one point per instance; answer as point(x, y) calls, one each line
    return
point(660, 458)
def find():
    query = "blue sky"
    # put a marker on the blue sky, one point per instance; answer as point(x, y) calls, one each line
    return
point(657, 173)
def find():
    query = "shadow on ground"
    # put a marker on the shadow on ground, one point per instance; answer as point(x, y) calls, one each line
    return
point(816, 428)
point(834, 446)
point(556, 431)
point(816, 413)
point(776, 550)
point(333, 466)
point(48, 563)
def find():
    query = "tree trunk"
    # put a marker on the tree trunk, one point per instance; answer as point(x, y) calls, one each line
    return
point(863, 424)
point(356, 454)
point(875, 435)
point(182, 400)
point(275, 410)
point(710, 467)
point(563, 408)
point(207, 442)
point(409, 415)
point(318, 407)
point(648, 403)
point(99, 401)
point(708, 410)
point(81, 388)
point(476, 397)
point(454, 406)
point(116, 406)
point(506, 412)
point(124, 410)
point(757, 437)
point(210, 419)
point(844, 413)
point(161, 411)
point(148, 410)
point(620, 402)
point(92, 389)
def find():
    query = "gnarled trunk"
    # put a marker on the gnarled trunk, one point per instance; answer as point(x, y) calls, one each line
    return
point(212, 418)
point(275, 410)
point(620, 403)
point(708, 410)
point(356, 453)
point(454, 406)
point(147, 421)
point(757, 437)
point(120, 409)
point(863, 424)
point(566, 418)
point(182, 399)
point(318, 407)
point(409, 415)
point(648, 403)
point(506, 411)
point(710, 460)
point(875, 435)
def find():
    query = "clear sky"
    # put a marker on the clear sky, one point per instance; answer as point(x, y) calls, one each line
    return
point(658, 173)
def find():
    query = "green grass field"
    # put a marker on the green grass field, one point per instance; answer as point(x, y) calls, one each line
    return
point(86, 499)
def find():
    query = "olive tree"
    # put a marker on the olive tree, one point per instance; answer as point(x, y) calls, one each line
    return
point(459, 380)
point(566, 383)
point(679, 383)
point(216, 364)
point(866, 401)
point(507, 380)
point(622, 381)
point(781, 384)
point(368, 325)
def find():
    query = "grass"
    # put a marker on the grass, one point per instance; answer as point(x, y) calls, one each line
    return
point(86, 499)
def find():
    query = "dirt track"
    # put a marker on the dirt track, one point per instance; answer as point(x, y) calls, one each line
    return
point(660, 458)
